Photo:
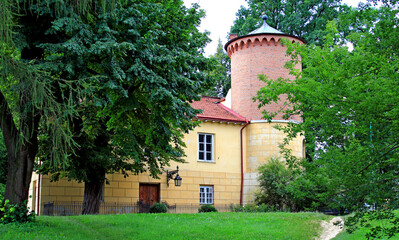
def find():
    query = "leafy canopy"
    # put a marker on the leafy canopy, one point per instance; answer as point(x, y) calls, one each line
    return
point(141, 66)
point(220, 73)
point(305, 19)
point(348, 103)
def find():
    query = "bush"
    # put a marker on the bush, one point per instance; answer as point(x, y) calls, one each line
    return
point(274, 177)
point(207, 208)
point(251, 207)
point(10, 213)
point(158, 208)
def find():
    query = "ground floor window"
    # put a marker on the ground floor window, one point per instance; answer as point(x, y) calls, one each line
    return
point(206, 194)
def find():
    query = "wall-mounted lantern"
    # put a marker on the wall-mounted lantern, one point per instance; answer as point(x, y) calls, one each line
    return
point(177, 179)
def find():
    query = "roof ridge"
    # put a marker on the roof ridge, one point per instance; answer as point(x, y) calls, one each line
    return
point(232, 112)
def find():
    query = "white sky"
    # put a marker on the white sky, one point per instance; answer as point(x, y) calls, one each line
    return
point(220, 15)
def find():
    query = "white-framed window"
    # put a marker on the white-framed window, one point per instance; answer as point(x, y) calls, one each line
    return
point(206, 194)
point(205, 147)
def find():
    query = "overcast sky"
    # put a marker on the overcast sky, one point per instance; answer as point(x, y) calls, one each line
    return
point(220, 15)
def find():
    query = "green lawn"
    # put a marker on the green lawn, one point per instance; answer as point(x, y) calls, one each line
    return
point(171, 226)
point(360, 233)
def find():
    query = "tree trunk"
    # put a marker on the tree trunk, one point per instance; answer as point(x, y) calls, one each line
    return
point(21, 152)
point(92, 197)
point(20, 168)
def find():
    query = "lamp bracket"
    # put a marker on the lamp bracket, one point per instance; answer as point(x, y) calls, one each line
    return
point(169, 174)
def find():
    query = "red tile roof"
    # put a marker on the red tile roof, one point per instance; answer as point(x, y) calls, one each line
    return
point(214, 110)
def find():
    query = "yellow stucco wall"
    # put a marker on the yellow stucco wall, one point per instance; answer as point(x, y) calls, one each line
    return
point(226, 148)
point(261, 141)
point(224, 174)
point(262, 144)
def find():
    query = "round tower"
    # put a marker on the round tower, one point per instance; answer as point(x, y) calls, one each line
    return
point(259, 52)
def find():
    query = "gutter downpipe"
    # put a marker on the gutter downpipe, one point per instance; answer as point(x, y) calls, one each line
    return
point(38, 193)
point(242, 161)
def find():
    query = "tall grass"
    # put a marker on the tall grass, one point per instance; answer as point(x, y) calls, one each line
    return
point(171, 226)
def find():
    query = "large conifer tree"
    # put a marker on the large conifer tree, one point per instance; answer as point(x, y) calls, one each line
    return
point(124, 77)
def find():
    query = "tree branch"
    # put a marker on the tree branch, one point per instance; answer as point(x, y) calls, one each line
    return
point(368, 165)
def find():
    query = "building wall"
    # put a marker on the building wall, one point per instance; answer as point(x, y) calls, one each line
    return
point(224, 174)
point(33, 193)
point(262, 144)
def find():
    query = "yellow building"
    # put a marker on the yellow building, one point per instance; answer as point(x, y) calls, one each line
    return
point(223, 152)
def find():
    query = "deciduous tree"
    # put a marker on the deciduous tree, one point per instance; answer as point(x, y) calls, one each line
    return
point(305, 19)
point(220, 73)
point(348, 103)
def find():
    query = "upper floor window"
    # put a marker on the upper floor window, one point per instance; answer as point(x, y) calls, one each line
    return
point(205, 147)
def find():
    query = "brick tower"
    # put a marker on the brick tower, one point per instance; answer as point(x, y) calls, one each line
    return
point(259, 52)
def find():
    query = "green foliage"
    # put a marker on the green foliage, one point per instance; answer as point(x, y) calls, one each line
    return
point(158, 208)
point(220, 73)
point(381, 224)
point(2, 189)
point(10, 8)
point(251, 207)
point(3, 162)
point(145, 67)
point(30, 96)
point(347, 100)
point(10, 213)
point(207, 208)
point(307, 19)
point(274, 177)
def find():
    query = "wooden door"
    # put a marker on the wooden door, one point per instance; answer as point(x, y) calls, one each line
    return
point(148, 195)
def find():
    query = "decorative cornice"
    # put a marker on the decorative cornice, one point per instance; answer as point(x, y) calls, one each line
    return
point(257, 39)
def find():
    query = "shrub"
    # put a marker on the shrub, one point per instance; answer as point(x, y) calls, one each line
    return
point(207, 208)
point(236, 207)
point(251, 207)
point(158, 208)
point(274, 177)
point(10, 213)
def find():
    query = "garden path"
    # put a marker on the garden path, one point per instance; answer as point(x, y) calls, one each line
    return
point(331, 228)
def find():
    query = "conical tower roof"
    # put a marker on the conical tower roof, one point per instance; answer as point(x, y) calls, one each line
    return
point(265, 28)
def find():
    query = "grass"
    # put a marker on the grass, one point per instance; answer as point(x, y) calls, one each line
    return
point(170, 226)
point(361, 232)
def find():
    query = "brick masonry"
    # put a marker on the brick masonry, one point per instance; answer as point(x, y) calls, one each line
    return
point(251, 56)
